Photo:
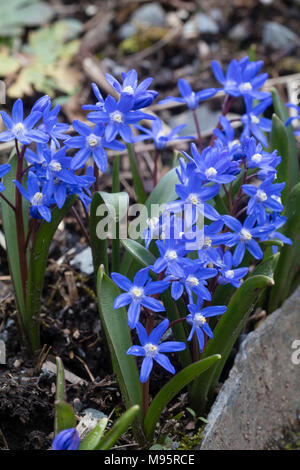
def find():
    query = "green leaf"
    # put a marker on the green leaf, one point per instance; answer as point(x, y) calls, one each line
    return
point(177, 383)
point(114, 322)
point(92, 440)
point(226, 333)
point(10, 232)
point(99, 247)
point(283, 114)
point(37, 268)
point(119, 428)
point(164, 191)
point(138, 252)
point(64, 417)
point(60, 394)
point(290, 256)
point(280, 142)
point(137, 181)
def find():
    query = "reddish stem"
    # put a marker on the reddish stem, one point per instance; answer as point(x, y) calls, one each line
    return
point(199, 137)
point(155, 169)
point(225, 109)
point(8, 202)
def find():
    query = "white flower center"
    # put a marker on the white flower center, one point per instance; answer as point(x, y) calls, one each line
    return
point(210, 172)
point(245, 234)
point(137, 292)
point(246, 86)
point(92, 140)
point(194, 199)
point(37, 199)
point(276, 198)
point(254, 119)
point(199, 319)
point(19, 127)
point(207, 242)
point(116, 116)
point(128, 89)
point(261, 195)
point(55, 166)
point(257, 158)
point(229, 274)
point(192, 280)
point(150, 349)
point(171, 255)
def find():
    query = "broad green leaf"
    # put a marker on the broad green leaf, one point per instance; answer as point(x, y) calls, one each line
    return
point(119, 428)
point(290, 255)
point(114, 322)
point(10, 232)
point(280, 142)
point(138, 252)
point(283, 114)
point(164, 191)
point(226, 333)
point(60, 394)
point(36, 271)
point(177, 383)
point(137, 181)
point(93, 439)
point(64, 417)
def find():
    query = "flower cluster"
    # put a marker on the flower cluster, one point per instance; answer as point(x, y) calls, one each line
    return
point(200, 242)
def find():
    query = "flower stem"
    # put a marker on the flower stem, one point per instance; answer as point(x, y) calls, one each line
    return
point(199, 137)
point(225, 109)
point(80, 222)
point(145, 385)
point(96, 174)
point(8, 202)
point(155, 169)
point(20, 221)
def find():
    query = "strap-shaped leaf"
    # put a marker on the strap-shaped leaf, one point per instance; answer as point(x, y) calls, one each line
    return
point(137, 181)
point(280, 142)
point(64, 417)
point(60, 393)
point(119, 428)
point(226, 333)
point(177, 383)
point(138, 252)
point(92, 440)
point(10, 232)
point(98, 245)
point(283, 114)
point(118, 337)
point(290, 255)
point(36, 272)
point(164, 191)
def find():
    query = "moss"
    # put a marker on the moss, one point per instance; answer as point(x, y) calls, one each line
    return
point(189, 442)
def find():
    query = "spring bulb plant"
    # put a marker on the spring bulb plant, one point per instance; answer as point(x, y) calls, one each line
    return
point(215, 233)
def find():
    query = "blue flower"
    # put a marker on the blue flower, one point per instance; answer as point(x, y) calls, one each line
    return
point(68, 439)
point(277, 222)
point(141, 95)
point(38, 198)
point(118, 115)
point(266, 195)
point(213, 165)
point(138, 293)
point(189, 97)
point(171, 253)
point(198, 319)
point(91, 142)
point(254, 123)
point(297, 116)
point(22, 129)
point(241, 78)
point(256, 157)
point(227, 275)
point(243, 237)
point(159, 136)
point(50, 125)
point(4, 169)
point(151, 350)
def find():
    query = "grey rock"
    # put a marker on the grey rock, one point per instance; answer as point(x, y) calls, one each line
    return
point(206, 24)
point(96, 414)
point(207, 120)
point(2, 352)
point(151, 14)
point(261, 396)
point(84, 261)
point(239, 32)
point(278, 36)
point(126, 31)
